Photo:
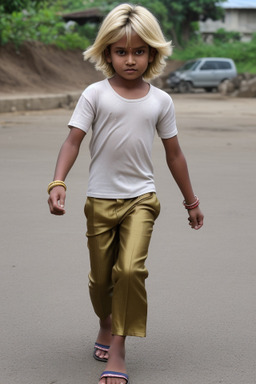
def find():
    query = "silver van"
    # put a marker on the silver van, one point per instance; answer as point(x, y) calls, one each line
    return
point(206, 72)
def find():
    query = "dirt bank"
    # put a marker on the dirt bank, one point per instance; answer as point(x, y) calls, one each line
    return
point(39, 68)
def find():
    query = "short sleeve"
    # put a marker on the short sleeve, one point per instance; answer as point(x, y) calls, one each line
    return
point(166, 125)
point(83, 115)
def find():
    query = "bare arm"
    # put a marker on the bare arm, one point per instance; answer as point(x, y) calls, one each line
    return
point(67, 156)
point(178, 167)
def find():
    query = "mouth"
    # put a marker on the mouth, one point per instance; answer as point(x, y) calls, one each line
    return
point(130, 70)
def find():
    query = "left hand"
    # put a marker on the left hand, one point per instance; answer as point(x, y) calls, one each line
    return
point(196, 218)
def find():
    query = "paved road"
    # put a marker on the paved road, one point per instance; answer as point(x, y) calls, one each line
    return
point(202, 285)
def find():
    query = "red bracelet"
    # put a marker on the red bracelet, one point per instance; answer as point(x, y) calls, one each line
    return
point(193, 205)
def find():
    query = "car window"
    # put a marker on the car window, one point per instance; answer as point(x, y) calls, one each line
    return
point(190, 65)
point(224, 65)
point(209, 65)
point(196, 64)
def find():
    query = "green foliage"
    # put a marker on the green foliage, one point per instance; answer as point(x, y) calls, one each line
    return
point(43, 25)
point(67, 6)
point(223, 36)
point(243, 54)
point(71, 41)
point(88, 30)
point(10, 6)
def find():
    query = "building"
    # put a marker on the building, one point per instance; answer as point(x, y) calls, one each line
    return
point(92, 15)
point(239, 16)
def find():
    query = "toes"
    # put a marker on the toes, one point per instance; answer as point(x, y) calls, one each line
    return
point(111, 380)
point(101, 354)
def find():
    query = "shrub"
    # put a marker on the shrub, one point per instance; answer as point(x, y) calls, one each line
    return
point(43, 25)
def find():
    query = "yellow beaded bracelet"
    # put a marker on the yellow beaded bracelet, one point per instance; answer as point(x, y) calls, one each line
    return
point(56, 183)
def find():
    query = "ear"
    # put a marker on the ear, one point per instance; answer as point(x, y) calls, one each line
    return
point(108, 55)
point(152, 54)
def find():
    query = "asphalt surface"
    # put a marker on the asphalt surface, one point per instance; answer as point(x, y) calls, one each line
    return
point(201, 285)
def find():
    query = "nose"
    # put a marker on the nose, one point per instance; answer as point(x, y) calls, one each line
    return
point(130, 59)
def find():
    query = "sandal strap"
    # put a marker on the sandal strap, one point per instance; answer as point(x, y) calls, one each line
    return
point(114, 374)
point(101, 347)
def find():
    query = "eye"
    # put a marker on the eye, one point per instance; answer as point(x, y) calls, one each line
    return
point(120, 52)
point(140, 52)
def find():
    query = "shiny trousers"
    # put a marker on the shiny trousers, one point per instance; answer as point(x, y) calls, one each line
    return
point(119, 233)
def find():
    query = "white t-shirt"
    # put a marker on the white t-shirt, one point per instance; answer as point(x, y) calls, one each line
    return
point(122, 138)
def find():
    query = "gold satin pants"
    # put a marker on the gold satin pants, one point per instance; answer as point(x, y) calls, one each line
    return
point(119, 233)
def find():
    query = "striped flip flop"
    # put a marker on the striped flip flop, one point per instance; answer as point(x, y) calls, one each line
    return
point(117, 375)
point(100, 347)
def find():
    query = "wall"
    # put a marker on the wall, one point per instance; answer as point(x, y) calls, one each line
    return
point(238, 20)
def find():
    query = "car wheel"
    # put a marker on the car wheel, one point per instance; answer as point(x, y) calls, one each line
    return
point(184, 87)
point(209, 89)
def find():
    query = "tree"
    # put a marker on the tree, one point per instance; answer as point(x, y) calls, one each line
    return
point(181, 16)
point(177, 17)
point(184, 14)
point(9, 6)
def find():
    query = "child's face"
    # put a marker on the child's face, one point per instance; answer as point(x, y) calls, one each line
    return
point(130, 61)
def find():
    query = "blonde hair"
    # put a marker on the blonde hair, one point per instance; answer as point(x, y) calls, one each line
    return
point(123, 20)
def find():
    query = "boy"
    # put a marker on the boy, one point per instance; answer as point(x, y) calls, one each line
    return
point(124, 112)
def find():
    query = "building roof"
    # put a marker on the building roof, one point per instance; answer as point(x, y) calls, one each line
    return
point(93, 15)
point(239, 4)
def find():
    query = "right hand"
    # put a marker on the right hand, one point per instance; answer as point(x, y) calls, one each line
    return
point(56, 200)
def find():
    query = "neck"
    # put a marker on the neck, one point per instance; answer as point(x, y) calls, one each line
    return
point(128, 84)
point(130, 89)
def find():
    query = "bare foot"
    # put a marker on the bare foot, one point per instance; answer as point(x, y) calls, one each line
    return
point(104, 337)
point(116, 361)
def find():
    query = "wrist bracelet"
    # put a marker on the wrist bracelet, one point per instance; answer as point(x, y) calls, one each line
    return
point(56, 183)
point(193, 205)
